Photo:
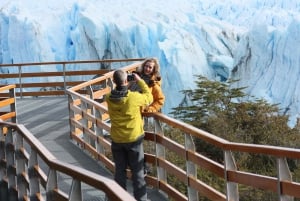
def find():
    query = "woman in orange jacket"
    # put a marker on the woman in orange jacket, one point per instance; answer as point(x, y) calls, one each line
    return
point(149, 72)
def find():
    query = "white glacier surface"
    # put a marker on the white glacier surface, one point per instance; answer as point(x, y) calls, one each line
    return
point(255, 41)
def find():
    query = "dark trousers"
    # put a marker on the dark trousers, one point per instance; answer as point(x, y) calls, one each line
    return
point(132, 155)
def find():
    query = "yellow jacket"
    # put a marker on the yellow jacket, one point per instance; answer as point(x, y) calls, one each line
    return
point(126, 119)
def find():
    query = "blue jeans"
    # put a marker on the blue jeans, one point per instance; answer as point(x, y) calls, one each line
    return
point(132, 155)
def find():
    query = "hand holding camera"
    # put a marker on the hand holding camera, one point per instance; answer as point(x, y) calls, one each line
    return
point(134, 76)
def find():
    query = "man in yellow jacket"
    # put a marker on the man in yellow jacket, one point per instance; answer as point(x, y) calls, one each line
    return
point(127, 131)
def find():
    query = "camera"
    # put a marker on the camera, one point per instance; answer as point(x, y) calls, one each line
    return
point(130, 77)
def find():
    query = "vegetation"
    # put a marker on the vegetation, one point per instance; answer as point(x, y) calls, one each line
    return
point(228, 113)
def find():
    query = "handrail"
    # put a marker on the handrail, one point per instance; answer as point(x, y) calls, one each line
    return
point(73, 62)
point(225, 144)
point(90, 128)
point(19, 147)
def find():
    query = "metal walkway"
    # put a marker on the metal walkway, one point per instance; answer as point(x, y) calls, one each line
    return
point(48, 120)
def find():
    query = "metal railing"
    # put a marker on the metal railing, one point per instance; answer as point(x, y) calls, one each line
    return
point(89, 123)
point(89, 126)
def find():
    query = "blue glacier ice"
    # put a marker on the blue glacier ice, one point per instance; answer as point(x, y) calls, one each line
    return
point(255, 41)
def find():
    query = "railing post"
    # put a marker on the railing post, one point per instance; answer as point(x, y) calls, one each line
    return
point(3, 175)
point(90, 110)
point(51, 185)
point(20, 79)
point(85, 122)
point(231, 188)
point(75, 193)
point(71, 115)
point(284, 174)
point(13, 107)
point(191, 168)
point(34, 186)
point(64, 74)
point(20, 168)
point(160, 152)
point(10, 164)
point(99, 133)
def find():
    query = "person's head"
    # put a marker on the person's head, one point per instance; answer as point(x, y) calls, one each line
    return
point(150, 67)
point(120, 77)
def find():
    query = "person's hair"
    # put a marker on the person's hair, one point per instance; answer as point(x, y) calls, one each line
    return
point(155, 73)
point(119, 77)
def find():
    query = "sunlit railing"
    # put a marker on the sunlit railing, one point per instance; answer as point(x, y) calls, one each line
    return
point(8, 110)
point(89, 123)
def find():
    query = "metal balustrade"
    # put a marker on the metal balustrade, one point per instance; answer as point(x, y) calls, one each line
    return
point(89, 126)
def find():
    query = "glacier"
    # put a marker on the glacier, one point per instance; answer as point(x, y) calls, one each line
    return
point(254, 41)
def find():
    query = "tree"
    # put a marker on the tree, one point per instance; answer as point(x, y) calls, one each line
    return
point(231, 114)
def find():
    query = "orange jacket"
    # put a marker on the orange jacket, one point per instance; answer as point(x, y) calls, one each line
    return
point(156, 91)
point(158, 98)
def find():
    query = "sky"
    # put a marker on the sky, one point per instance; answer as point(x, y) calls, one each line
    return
point(255, 41)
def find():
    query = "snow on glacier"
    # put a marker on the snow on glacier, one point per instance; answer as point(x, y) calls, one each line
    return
point(255, 41)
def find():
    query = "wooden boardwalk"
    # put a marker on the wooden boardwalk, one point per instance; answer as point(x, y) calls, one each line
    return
point(48, 120)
